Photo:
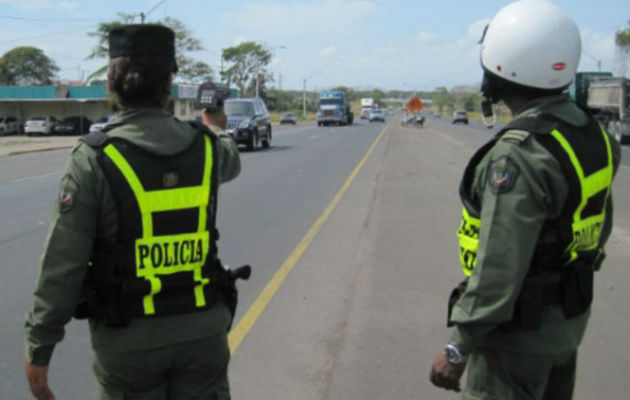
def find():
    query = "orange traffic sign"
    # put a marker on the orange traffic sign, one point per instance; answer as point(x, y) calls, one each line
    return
point(415, 105)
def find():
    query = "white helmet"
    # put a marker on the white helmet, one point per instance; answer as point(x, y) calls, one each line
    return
point(532, 43)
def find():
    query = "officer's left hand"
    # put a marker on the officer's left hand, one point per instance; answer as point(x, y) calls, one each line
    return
point(446, 375)
point(37, 377)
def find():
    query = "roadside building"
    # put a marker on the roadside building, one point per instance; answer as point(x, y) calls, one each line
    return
point(93, 102)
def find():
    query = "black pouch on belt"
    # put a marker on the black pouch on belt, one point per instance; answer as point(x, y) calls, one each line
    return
point(578, 288)
point(455, 295)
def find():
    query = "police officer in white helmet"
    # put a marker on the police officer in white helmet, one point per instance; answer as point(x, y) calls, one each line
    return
point(537, 212)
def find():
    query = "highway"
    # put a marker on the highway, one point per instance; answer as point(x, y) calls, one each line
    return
point(351, 233)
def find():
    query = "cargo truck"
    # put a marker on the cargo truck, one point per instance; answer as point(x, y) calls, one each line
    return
point(334, 109)
point(609, 100)
point(367, 105)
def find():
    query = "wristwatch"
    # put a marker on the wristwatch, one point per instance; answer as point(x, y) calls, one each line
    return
point(453, 355)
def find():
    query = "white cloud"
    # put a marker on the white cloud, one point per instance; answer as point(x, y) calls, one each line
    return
point(598, 46)
point(28, 4)
point(68, 5)
point(329, 51)
point(330, 17)
point(32, 5)
point(426, 37)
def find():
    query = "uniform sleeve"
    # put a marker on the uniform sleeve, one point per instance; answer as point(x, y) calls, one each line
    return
point(64, 261)
point(229, 160)
point(520, 185)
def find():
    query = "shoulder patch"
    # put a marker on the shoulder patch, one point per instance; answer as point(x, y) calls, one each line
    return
point(516, 136)
point(67, 193)
point(502, 175)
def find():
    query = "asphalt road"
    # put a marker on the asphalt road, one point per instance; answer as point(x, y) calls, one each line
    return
point(361, 316)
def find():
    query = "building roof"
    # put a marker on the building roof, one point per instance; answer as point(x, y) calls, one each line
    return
point(27, 92)
point(76, 93)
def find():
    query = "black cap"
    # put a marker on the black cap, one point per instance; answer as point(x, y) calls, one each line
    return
point(142, 40)
point(211, 96)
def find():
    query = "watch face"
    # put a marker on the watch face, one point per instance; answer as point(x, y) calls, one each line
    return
point(452, 355)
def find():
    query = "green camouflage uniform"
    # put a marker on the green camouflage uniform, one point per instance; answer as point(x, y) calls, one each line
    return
point(131, 360)
point(517, 363)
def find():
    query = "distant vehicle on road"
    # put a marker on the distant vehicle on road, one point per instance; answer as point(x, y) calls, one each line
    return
point(460, 116)
point(609, 100)
point(334, 108)
point(100, 124)
point(9, 125)
point(367, 104)
point(377, 115)
point(73, 126)
point(249, 122)
point(42, 124)
point(288, 118)
point(413, 120)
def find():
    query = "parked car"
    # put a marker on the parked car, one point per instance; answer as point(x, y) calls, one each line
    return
point(288, 118)
point(460, 116)
point(42, 124)
point(377, 115)
point(100, 124)
point(9, 125)
point(73, 126)
point(249, 122)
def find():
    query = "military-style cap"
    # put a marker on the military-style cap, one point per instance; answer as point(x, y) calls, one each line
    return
point(142, 40)
point(211, 96)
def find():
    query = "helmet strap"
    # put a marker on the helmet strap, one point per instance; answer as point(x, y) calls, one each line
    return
point(490, 94)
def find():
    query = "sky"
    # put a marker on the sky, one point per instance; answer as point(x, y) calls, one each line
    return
point(406, 44)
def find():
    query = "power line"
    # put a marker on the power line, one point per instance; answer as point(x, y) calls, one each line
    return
point(47, 34)
point(144, 15)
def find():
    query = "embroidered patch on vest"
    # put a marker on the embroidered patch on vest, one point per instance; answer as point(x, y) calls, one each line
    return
point(67, 194)
point(502, 174)
point(170, 179)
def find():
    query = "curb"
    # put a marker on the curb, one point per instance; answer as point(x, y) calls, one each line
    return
point(19, 152)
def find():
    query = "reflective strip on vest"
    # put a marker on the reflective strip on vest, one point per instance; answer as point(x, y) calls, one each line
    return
point(468, 235)
point(163, 255)
point(587, 231)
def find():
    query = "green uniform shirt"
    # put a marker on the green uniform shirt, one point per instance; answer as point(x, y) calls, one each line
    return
point(90, 214)
point(511, 222)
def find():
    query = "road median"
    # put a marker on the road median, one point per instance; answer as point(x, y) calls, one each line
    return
point(16, 145)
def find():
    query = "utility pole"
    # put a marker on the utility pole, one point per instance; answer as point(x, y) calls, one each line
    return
point(279, 80)
point(304, 98)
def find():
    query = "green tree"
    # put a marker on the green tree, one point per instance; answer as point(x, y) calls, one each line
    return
point(378, 94)
point(622, 40)
point(189, 69)
point(247, 61)
point(26, 66)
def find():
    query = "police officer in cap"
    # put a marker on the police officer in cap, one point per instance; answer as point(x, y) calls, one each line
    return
point(132, 241)
point(537, 212)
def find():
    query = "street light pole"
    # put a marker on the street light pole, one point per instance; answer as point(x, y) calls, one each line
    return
point(304, 98)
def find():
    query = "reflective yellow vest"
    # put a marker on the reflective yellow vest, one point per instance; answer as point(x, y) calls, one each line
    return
point(166, 216)
point(581, 224)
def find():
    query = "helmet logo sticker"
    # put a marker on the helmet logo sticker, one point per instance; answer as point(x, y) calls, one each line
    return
point(559, 66)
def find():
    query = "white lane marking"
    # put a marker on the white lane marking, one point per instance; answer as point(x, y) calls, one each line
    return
point(32, 178)
point(314, 137)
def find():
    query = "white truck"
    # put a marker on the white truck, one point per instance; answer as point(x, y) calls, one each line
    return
point(367, 105)
point(609, 99)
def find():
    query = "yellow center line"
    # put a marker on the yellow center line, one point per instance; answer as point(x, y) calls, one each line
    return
point(238, 333)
